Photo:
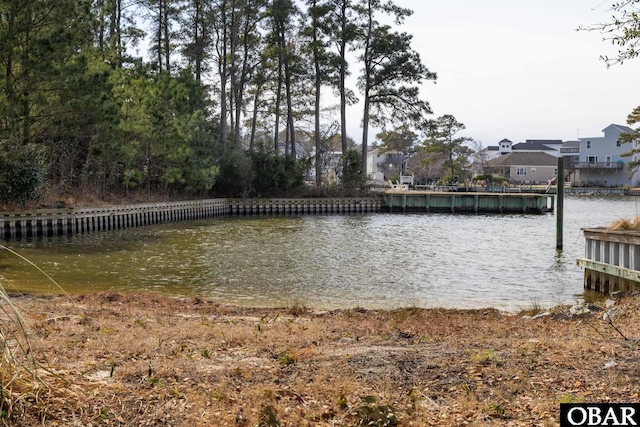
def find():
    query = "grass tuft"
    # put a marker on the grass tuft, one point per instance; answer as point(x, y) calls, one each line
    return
point(22, 388)
point(20, 385)
point(625, 225)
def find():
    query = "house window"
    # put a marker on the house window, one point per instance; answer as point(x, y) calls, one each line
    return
point(521, 171)
point(592, 159)
point(588, 144)
point(618, 143)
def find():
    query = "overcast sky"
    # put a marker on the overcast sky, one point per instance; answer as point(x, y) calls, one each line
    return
point(519, 69)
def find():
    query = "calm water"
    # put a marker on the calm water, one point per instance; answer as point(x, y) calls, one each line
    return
point(326, 262)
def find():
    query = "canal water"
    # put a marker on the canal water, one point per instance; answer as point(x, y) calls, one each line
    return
point(330, 261)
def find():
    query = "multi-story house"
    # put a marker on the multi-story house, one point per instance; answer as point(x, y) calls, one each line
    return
point(600, 160)
point(383, 165)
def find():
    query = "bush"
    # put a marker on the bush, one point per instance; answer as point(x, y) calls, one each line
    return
point(351, 173)
point(277, 175)
point(22, 172)
point(235, 174)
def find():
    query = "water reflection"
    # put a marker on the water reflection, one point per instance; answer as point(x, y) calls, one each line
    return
point(381, 260)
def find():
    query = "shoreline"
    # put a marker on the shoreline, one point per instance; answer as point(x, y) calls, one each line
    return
point(140, 359)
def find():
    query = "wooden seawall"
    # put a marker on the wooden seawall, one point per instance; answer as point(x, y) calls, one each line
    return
point(304, 206)
point(612, 260)
point(62, 222)
point(59, 222)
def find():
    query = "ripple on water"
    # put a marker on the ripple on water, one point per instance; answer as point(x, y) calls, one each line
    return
point(375, 261)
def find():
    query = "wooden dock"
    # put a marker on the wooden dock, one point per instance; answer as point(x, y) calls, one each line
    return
point(468, 202)
point(612, 260)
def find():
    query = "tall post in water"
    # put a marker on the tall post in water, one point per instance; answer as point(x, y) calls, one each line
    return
point(560, 204)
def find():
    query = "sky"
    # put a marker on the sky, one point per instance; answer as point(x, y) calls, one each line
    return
point(519, 69)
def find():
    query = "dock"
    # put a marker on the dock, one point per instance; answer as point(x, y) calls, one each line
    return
point(612, 260)
point(468, 202)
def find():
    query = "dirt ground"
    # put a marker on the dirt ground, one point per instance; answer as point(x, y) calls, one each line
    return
point(148, 360)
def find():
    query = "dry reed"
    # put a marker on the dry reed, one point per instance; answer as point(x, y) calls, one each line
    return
point(22, 389)
point(625, 225)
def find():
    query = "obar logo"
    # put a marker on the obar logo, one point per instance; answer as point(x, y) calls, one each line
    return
point(599, 414)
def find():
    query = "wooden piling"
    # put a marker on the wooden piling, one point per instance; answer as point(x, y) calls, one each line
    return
point(560, 205)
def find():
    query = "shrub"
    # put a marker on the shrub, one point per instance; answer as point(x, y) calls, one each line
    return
point(278, 175)
point(22, 172)
point(235, 174)
point(351, 173)
point(371, 413)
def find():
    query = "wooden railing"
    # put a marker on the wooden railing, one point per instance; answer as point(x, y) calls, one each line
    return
point(612, 260)
point(596, 165)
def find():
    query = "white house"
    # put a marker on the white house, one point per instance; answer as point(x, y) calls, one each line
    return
point(382, 165)
point(600, 160)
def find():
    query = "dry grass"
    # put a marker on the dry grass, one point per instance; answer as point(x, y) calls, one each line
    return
point(20, 384)
point(136, 360)
point(625, 225)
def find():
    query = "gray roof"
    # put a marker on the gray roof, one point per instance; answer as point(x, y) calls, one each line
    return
point(623, 128)
point(571, 144)
point(544, 141)
point(570, 147)
point(537, 144)
point(524, 159)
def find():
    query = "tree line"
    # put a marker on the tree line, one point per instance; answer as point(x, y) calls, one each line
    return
point(196, 97)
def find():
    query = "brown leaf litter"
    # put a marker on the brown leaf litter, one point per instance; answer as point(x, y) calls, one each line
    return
point(147, 360)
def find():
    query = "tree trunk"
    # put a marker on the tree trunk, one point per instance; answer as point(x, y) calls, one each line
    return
point(233, 70)
point(367, 100)
point(118, 41)
point(159, 36)
point(343, 76)
point(365, 132)
point(243, 74)
point(254, 118)
point(278, 101)
point(167, 47)
point(316, 63)
point(197, 41)
point(223, 68)
point(290, 128)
